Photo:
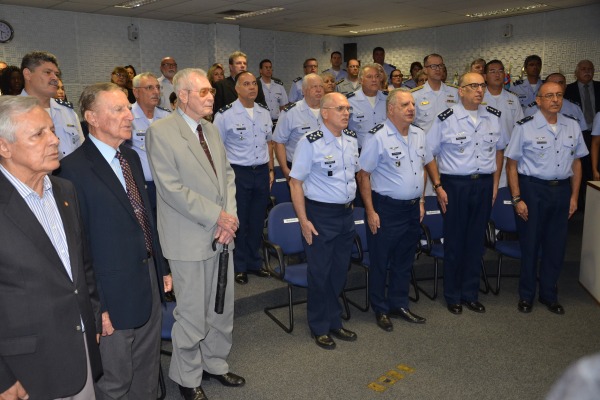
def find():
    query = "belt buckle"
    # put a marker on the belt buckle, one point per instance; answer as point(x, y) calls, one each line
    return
point(413, 201)
point(347, 205)
point(475, 176)
point(553, 183)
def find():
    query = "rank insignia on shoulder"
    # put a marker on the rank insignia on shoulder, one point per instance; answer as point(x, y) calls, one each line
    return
point(263, 106)
point(492, 110)
point(525, 120)
point(64, 103)
point(340, 81)
point(532, 104)
point(415, 125)
point(351, 94)
point(349, 132)
point(376, 128)
point(518, 82)
point(572, 117)
point(164, 109)
point(385, 92)
point(417, 88)
point(225, 108)
point(314, 136)
point(289, 107)
point(277, 81)
point(297, 79)
point(445, 114)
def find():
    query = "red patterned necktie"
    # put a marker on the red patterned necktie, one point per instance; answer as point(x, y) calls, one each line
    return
point(135, 199)
point(205, 147)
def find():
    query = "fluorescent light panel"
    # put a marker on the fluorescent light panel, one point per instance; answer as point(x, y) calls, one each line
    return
point(505, 11)
point(134, 3)
point(382, 28)
point(254, 13)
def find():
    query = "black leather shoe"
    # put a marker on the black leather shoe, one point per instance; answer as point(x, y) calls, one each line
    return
point(455, 308)
point(383, 321)
point(324, 342)
point(192, 393)
point(524, 306)
point(407, 315)
point(241, 278)
point(344, 334)
point(261, 273)
point(555, 307)
point(474, 306)
point(228, 379)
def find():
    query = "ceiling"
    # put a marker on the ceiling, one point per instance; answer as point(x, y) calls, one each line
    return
point(310, 16)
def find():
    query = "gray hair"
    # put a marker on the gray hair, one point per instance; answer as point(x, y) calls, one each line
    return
point(364, 67)
point(136, 79)
point(306, 79)
point(392, 98)
point(11, 107)
point(182, 78)
point(88, 97)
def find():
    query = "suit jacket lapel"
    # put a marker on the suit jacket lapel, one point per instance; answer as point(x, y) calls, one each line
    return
point(67, 215)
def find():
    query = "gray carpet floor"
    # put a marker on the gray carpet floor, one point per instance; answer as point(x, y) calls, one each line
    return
point(501, 354)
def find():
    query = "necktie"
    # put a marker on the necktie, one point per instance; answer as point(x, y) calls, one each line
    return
point(588, 113)
point(136, 201)
point(205, 147)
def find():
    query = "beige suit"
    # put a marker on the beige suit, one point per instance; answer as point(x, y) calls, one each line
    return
point(189, 199)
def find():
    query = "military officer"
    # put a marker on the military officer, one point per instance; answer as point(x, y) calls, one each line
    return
point(245, 127)
point(468, 141)
point(311, 66)
point(297, 120)
point(368, 103)
point(275, 94)
point(544, 174)
point(527, 88)
point(350, 83)
point(336, 67)
point(392, 184)
point(379, 58)
point(323, 188)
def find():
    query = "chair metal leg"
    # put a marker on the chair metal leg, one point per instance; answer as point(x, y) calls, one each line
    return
point(346, 307)
point(162, 390)
point(290, 304)
point(484, 277)
point(499, 274)
point(367, 304)
point(435, 282)
point(413, 279)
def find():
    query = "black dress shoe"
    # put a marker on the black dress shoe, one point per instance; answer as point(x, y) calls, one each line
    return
point(474, 306)
point(407, 315)
point(344, 334)
point(192, 393)
point(261, 273)
point(241, 278)
point(554, 307)
point(324, 342)
point(524, 306)
point(455, 308)
point(383, 321)
point(228, 379)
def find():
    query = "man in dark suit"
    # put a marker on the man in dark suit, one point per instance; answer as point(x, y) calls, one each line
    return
point(49, 307)
point(226, 93)
point(128, 261)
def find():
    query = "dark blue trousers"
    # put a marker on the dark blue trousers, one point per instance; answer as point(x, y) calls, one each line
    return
point(394, 245)
point(252, 197)
point(328, 260)
point(544, 233)
point(467, 214)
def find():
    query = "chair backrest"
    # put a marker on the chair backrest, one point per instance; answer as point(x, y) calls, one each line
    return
point(433, 218)
point(280, 189)
point(503, 212)
point(360, 225)
point(283, 229)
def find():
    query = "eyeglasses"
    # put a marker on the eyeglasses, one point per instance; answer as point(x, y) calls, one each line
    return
point(149, 87)
point(397, 76)
point(170, 65)
point(551, 96)
point(340, 108)
point(204, 91)
point(495, 71)
point(435, 67)
point(475, 86)
point(120, 75)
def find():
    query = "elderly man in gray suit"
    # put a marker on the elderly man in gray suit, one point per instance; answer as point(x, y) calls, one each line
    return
point(196, 205)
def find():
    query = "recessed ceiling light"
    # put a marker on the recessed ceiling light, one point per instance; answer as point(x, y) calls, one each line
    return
point(504, 11)
point(134, 3)
point(254, 13)
point(382, 28)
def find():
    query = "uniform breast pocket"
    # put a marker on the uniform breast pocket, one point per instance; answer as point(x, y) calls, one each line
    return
point(489, 141)
point(329, 166)
point(395, 156)
point(73, 135)
point(462, 139)
point(568, 142)
point(540, 147)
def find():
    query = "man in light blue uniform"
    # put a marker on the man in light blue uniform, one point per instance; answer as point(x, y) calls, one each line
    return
point(527, 88)
point(145, 110)
point(379, 58)
point(392, 183)
point(468, 141)
point(544, 174)
point(350, 83)
point(245, 127)
point(336, 67)
point(41, 74)
point(323, 188)
point(311, 66)
point(368, 104)
point(275, 94)
point(296, 120)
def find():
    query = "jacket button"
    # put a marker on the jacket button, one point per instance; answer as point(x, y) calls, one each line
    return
point(76, 291)
point(78, 328)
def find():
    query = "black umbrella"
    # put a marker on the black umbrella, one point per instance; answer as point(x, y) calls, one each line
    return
point(222, 278)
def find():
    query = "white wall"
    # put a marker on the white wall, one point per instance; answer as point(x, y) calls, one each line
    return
point(89, 46)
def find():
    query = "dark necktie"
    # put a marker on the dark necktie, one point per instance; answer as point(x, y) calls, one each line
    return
point(205, 147)
point(136, 201)
point(588, 113)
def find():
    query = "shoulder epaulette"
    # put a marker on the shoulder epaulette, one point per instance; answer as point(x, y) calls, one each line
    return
point(525, 120)
point(297, 79)
point(511, 92)
point(376, 128)
point(532, 104)
point(350, 132)
point(385, 92)
point(263, 106)
point(393, 66)
point(416, 88)
point(277, 81)
point(314, 136)
point(517, 82)
point(325, 70)
point(445, 114)
point(225, 108)
point(492, 110)
point(413, 124)
point(350, 94)
point(340, 81)
point(576, 103)
point(64, 103)
point(289, 107)
point(164, 109)
point(571, 116)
